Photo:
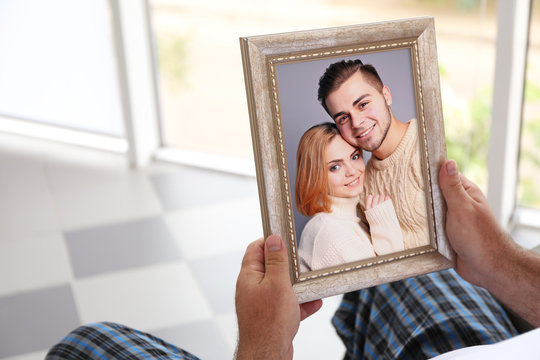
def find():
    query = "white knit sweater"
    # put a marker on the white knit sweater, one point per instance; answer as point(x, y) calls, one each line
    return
point(335, 238)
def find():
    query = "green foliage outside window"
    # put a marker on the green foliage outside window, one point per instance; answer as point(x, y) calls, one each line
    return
point(467, 130)
point(467, 127)
point(173, 54)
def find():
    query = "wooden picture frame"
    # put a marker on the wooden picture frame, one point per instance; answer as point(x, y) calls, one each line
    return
point(281, 67)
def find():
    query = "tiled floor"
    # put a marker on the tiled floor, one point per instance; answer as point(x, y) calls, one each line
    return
point(83, 239)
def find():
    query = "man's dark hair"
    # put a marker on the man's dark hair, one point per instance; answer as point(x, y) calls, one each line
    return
point(337, 73)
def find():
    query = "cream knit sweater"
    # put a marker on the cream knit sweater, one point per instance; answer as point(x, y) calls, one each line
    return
point(339, 237)
point(400, 176)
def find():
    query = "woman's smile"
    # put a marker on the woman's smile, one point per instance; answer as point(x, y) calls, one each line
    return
point(354, 182)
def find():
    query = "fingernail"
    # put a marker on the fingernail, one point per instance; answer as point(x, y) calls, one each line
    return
point(451, 168)
point(273, 243)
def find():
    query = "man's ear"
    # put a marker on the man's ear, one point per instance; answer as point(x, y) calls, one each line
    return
point(387, 95)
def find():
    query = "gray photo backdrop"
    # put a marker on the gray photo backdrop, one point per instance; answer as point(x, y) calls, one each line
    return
point(298, 83)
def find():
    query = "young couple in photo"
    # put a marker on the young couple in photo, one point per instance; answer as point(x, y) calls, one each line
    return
point(358, 210)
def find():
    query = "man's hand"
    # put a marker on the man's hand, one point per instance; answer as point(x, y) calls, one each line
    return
point(471, 227)
point(486, 254)
point(267, 308)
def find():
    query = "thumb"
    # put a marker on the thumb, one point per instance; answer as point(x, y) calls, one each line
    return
point(276, 260)
point(451, 185)
point(309, 308)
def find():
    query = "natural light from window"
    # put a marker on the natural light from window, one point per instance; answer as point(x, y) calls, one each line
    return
point(529, 162)
point(201, 84)
point(58, 65)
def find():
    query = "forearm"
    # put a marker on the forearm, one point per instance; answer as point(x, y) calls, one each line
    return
point(250, 349)
point(514, 279)
point(253, 354)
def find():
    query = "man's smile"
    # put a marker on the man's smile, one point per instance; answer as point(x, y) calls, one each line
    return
point(367, 132)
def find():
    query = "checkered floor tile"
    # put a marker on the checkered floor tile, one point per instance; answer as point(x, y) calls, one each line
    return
point(83, 238)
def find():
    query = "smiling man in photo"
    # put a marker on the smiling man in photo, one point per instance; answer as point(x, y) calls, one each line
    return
point(354, 95)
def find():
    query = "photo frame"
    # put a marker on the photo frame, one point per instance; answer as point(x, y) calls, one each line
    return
point(281, 75)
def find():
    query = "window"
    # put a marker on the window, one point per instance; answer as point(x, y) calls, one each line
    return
point(529, 158)
point(202, 97)
point(58, 65)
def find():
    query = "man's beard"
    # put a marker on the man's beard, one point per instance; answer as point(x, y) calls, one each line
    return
point(375, 147)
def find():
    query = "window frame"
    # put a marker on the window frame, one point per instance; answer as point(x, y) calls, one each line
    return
point(513, 23)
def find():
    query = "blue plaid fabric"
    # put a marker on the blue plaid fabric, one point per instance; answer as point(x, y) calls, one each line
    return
point(419, 318)
point(109, 341)
point(416, 318)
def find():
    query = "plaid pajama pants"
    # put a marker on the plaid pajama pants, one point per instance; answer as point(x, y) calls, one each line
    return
point(419, 318)
point(107, 341)
point(416, 318)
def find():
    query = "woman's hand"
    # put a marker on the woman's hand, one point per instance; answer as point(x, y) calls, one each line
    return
point(374, 200)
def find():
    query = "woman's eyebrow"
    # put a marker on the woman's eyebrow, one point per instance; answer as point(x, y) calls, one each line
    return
point(335, 161)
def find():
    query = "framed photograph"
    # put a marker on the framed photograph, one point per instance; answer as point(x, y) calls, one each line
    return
point(348, 137)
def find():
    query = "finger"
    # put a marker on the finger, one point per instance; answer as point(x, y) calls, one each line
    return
point(309, 308)
point(253, 261)
point(451, 186)
point(386, 198)
point(369, 201)
point(276, 260)
point(472, 189)
point(376, 200)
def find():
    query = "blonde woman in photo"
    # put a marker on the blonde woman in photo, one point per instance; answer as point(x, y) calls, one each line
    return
point(329, 183)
